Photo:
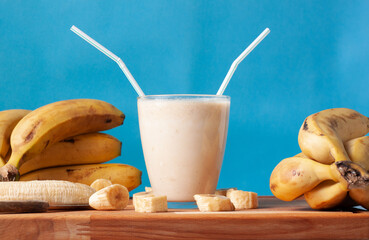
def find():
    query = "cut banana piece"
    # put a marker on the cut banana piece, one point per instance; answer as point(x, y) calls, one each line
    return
point(242, 199)
point(213, 203)
point(114, 197)
point(149, 203)
point(223, 191)
point(57, 193)
point(140, 195)
point(148, 189)
point(100, 184)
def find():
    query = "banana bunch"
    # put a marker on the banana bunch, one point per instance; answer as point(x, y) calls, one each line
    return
point(333, 168)
point(61, 141)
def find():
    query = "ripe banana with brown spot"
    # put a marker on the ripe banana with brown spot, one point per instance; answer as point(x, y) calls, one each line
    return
point(358, 150)
point(330, 193)
point(54, 122)
point(357, 179)
point(327, 194)
point(123, 174)
point(295, 176)
point(87, 148)
point(322, 134)
point(8, 120)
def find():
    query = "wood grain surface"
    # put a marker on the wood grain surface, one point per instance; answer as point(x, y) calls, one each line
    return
point(274, 219)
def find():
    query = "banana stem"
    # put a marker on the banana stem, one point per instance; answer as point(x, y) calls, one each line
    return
point(323, 171)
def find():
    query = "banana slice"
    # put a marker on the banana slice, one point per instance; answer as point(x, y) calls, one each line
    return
point(148, 189)
point(149, 203)
point(242, 199)
point(100, 184)
point(114, 197)
point(139, 195)
point(223, 191)
point(213, 203)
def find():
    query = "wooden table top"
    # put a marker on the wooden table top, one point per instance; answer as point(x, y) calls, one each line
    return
point(274, 219)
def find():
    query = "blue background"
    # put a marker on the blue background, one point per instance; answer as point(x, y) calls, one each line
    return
point(316, 57)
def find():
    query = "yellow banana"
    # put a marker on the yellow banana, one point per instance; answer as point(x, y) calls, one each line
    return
point(8, 120)
point(331, 139)
point(294, 176)
point(361, 196)
point(82, 149)
point(327, 194)
point(123, 174)
point(358, 151)
point(322, 134)
point(54, 122)
point(354, 179)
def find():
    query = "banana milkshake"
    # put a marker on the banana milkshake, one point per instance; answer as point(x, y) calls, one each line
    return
point(183, 140)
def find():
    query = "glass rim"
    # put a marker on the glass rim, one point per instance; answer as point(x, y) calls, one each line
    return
point(184, 96)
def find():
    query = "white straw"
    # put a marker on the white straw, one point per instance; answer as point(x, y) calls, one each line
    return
point(112, 56)
point(240, 58)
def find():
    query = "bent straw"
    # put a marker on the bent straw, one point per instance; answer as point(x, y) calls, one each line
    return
point(240, 58)
point(112, 56)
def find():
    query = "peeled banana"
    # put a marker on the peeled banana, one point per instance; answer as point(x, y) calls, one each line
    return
point(82, 149)
point(123, 174)
point(8, 120)
point(57, 193)
point(54, 122)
